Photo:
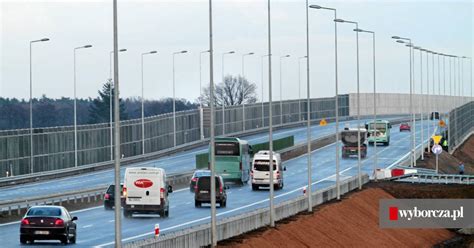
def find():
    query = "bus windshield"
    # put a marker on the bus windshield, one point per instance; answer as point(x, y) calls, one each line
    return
point(227, 149)
point(378, 126)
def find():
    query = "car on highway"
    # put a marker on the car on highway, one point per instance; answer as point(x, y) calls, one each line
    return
point(378, 131)
point(232, 159)
point(202, 193)
point(260, 174)
point(109, 197)
point(196, 175)
point(350, 142)
point(405, 127)
point(146, 191)
point(48, 223)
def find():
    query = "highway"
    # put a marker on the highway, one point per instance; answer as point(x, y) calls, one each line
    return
point(179, 162)
point(96, 227)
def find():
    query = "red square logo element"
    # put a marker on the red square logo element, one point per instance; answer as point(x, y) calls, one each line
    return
point(393, 213)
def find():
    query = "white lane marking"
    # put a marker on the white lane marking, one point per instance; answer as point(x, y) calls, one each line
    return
point(187, 203)
point(219, 214)
point(111, 220)
point(87, 226)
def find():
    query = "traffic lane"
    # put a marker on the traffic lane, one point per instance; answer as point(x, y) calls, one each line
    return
point(184, 161)
point(181, 201)
point(293, 185)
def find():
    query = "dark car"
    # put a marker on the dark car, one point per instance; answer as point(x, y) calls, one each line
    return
point(434, 116)
point(405, 127)
point(197, 174)
point(109, 196)
point(202, 193)
point(48, 223)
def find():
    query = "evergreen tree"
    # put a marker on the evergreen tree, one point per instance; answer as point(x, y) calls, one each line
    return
point(99, 110)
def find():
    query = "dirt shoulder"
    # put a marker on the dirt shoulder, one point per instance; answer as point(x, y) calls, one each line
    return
point(448, 164)
point(353, 222)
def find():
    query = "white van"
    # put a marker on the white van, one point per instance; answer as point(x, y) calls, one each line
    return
point(261, 167)
point(146, 191)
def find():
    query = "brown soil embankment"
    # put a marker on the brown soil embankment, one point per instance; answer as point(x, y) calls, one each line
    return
point(447, 163)
point(353, 222)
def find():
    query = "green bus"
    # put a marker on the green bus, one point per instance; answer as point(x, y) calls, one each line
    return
point(232, 159)
point(382, 132)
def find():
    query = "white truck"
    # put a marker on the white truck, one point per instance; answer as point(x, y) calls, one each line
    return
point(146, 191)
point(260, 173)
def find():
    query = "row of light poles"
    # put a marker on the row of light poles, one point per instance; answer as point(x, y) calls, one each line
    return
point(433, 104)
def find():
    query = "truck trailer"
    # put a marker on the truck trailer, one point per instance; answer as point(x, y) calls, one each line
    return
point(350, 145)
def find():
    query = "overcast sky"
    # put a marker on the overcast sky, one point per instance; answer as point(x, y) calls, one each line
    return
point(170, 26)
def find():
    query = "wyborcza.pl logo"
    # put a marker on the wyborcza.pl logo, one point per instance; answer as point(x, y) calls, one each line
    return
point(409, 214)
point(426, 213)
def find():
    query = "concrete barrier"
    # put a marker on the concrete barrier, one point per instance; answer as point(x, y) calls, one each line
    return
point(233, 226)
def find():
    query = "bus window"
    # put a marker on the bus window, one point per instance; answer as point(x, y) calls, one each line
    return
point(227, 149)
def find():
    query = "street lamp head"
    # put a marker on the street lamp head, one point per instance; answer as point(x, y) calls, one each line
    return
point(313, 6)
point(152, 52)
point(251, 53)
point(396, 37)
point(409, 45)
point(45, 39)
point(184, 51)
point(339, 20)
point(231, 52)
point(286, 56)
point(87, 46)
point(417, 48)
point(122, 50)
point(358, 30)
point(400, 41)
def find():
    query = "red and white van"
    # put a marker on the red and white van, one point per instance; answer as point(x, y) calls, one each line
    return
point(146, 191)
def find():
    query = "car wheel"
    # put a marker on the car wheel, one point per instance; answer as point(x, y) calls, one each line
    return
point(23, 240)
point(223, 204)
point(64, 239)
point(73, 239)
point(276, 186)
point(254, 187)
point(106, 207)
point(127, 214)
point(197, 204)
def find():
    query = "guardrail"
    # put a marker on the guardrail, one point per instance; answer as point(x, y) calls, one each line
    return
point(433, 178)
point(18, 206)
point(233, 226)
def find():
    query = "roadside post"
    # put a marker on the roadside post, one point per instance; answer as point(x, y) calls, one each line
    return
point(437, 149)
point(157, 230)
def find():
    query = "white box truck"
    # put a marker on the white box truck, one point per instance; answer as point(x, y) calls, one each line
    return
point(146, 191)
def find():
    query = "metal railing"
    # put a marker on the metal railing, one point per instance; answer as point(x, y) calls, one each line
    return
point(54, 146)
point(435, 178)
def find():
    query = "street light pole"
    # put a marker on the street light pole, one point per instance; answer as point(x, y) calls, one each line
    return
point(243, 88)
point(174, 97)
point(263, 107)
point(299, 86)
point(422, 149)
point(75, 105)
point(359, 162)
point(281, 90)
point(117, 203)
point(143, 104)
point(212, 132)
point(308, 121)
point(201, 121)
point(402, 40)
point(375, 97)
point(336, 99)
point(31, 104)
point(223, 100)
point(111, 104)
point(270, 115)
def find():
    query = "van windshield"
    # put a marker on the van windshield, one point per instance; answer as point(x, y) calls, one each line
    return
point(263, 165)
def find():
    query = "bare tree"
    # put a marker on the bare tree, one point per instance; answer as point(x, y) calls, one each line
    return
point(234, 91)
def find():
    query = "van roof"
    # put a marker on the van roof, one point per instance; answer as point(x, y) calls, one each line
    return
point(145, 169)
point(264, 154)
